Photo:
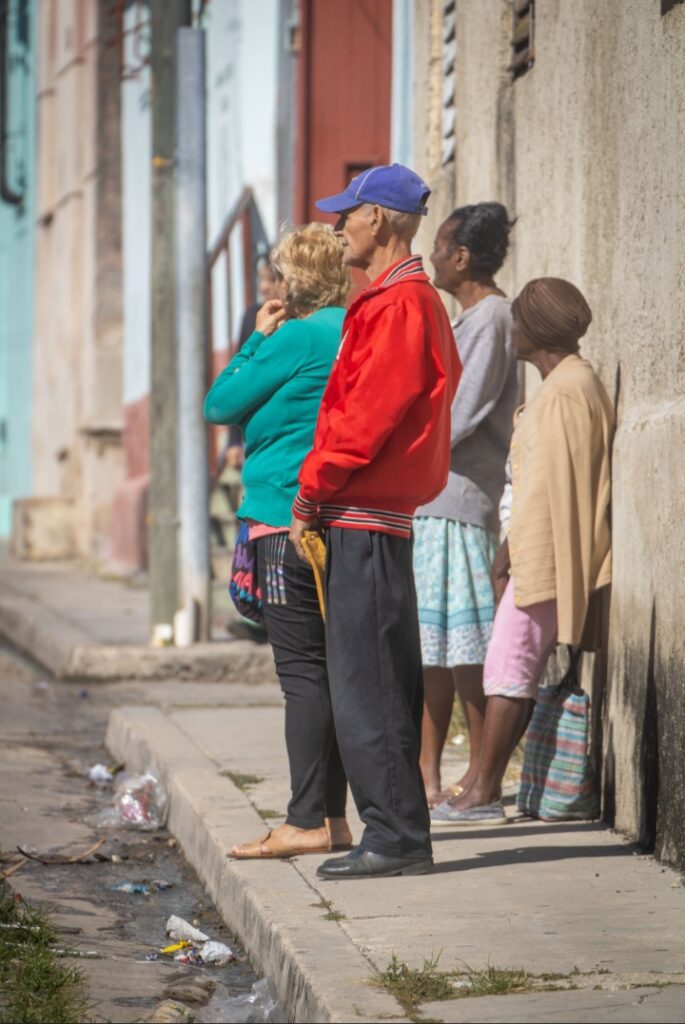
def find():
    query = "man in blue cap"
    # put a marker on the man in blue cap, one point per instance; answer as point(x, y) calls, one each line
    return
point(381, 449)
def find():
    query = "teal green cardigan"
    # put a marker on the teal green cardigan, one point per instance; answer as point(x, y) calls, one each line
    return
point(272, 389)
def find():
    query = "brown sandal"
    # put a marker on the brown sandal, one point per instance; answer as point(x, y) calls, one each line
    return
point(271, 846)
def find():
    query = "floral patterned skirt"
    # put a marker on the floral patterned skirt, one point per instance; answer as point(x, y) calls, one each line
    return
point(456, 606)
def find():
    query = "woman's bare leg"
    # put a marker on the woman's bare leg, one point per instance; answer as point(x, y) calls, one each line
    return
point(505, 720)
point(468, 682)
point(438, 699)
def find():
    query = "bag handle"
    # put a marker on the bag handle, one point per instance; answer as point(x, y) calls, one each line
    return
point(569, 681)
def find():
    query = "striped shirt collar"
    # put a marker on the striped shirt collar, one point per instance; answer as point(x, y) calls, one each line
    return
point(412, 266)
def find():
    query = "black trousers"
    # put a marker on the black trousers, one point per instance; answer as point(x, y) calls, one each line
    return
point(297, 636)
point(376, 679)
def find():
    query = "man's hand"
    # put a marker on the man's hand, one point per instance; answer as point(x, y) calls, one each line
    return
point(500, 570)
point(297, 528)
point(270, 317)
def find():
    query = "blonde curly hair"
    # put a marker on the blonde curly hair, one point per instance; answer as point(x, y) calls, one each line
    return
point(309, 260)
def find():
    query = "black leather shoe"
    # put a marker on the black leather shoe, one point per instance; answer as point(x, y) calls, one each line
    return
point(366, 864)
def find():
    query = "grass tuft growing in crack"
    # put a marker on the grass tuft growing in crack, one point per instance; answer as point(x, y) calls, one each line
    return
point(35, 988)
point(412, 986)
point(266, 813)
point(242, 781)
point(491, 981)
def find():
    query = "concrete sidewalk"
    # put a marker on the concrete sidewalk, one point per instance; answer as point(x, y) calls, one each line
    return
point(81, 626)
point(572, 901)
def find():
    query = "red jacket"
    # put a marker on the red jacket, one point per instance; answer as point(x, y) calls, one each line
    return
point(382, 441)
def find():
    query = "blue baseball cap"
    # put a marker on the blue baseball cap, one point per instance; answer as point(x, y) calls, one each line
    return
point(393, 186)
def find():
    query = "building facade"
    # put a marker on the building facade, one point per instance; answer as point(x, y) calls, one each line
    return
point(571, 114)
point(17, 253)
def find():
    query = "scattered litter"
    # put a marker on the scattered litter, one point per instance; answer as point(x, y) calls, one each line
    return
point(142, 888)
point(177, 928)
point(132, 888)
point(216, 953)
point(175, 946)
point(42, 686)
point(60, 858)
point(139, 802)
point(100, 774)
point(153, 955)
point(458, 739)
point(83, 693)
point(189, 956)
point(255, 1007)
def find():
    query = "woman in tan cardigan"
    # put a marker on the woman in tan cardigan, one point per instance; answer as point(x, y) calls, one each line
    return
point(558, 551)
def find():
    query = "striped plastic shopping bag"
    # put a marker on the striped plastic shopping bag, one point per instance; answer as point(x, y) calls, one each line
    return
point(556, 780)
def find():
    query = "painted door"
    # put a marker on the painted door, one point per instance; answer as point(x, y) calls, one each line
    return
point(344, 91)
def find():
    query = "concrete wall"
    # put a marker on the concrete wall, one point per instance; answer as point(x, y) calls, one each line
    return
point(78, 347)
point(17, 266)
point(587, 149)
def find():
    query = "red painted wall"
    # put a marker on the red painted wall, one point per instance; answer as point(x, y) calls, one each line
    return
point(343, 96)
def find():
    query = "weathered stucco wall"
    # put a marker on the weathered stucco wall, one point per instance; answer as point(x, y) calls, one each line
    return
point(76, 440)
point(587, 149)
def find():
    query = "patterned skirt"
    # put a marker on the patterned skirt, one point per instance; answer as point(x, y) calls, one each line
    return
point(456, 606)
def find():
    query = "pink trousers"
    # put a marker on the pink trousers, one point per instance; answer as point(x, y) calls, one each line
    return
point(522, 641)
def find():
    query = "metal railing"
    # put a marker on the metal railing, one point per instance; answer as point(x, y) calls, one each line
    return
point(246, 216)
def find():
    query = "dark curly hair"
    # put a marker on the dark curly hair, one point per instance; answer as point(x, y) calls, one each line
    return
point(483, 229)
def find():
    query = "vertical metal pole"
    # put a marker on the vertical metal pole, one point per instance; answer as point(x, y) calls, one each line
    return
point(166, 16)
point(191, 327)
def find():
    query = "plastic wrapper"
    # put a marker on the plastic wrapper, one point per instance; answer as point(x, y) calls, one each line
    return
point(177, 928)
point(139, 802)
point(100, 775)
point(216, 953)
point(256, 1007)
point(132, 888)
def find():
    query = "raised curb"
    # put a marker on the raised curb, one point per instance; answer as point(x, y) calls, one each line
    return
point(69, 652)
point(319, 973)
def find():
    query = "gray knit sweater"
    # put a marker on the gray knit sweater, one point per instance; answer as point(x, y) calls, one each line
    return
point(482, 415)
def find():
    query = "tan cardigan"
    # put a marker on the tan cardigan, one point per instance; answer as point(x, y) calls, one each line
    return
point(559, 532)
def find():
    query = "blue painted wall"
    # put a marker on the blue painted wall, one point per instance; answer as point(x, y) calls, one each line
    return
point(17, 262)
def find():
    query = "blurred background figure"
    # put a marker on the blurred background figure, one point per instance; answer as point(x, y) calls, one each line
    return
point(456, 535)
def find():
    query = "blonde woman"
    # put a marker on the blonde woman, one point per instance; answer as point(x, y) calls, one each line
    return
point(272, 390)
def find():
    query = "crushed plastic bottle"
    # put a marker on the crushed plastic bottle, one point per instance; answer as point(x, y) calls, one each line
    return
point(260, 1006)
point(140, 802)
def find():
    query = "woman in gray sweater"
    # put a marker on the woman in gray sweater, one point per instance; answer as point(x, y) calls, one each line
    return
point(456, 535)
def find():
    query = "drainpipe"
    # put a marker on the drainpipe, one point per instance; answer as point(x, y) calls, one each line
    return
point(190, 252)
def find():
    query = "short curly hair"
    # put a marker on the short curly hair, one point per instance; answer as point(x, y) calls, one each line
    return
point(309, 260)
point(483, 229)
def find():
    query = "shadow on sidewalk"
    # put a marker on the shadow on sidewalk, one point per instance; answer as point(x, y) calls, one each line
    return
point(517, 831)
point(525, 856)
